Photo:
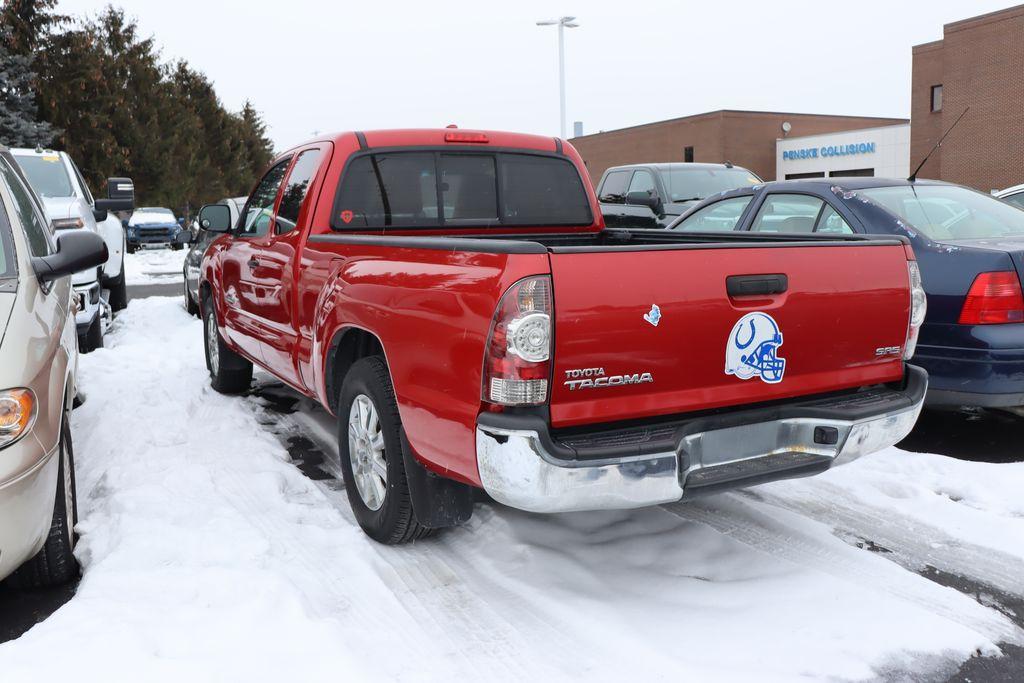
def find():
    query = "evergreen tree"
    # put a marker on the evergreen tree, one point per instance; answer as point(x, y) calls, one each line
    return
point(19, 126)
point(28, 23)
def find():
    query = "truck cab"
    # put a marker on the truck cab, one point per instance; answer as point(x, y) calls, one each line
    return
point(70, 206)
point(654, 195)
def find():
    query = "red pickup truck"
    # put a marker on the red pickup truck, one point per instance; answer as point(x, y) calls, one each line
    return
point(454, 298)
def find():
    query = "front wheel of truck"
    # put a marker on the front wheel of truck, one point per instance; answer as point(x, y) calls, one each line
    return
point(230, 373)
point(370, 446)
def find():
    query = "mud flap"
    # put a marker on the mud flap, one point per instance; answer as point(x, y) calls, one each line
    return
point(437, 502)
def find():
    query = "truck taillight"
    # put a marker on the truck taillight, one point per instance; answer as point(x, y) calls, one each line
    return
point(918, 308)
point(994, 298)
point(517, 358)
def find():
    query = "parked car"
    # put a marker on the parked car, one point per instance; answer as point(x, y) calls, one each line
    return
point(151, 225)
point(38, 359)
point(970, 247)
point(653, 195)
point(70, 205)
point(194, 258)
point(453, 298)
point(1013, 195)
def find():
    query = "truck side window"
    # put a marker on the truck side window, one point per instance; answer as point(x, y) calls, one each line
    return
point(832, 222)
point(787, 213)
point(296, 189)
point(718, 217)
point(613, 190)
point(259, 210)
point(642, 181)
point(27, 210)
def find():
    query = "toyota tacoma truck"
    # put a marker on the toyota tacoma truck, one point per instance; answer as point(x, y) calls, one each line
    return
point(454, 299)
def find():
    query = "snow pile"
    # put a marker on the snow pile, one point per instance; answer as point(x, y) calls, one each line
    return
point(155, 265)
point(209, 557)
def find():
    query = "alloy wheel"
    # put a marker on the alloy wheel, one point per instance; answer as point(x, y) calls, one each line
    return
point(366, 452)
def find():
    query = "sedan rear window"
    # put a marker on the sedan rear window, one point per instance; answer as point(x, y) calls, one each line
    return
point(428, 189)
point(949, 212)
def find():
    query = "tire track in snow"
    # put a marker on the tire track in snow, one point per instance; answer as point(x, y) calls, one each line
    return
point(429, 588)
point(776, 532)
point(912, 543)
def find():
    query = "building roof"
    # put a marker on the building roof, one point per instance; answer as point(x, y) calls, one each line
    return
point(718, 112)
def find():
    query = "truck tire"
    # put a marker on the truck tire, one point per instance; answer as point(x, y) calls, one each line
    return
point(229, 372)
point(370, 446)
point(93, 337)
point(118, 292)
point(55, 563)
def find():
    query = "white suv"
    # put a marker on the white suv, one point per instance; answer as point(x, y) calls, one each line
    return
point(70, 205)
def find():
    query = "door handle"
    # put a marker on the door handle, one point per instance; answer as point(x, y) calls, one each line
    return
point(753, 285)
point(254, 263)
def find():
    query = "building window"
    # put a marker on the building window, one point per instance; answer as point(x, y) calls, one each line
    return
point(937, 97)
point(688, 155)
point(801, 176)
point(853, 173)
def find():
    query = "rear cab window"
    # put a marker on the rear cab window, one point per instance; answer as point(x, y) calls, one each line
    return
point(465, 189)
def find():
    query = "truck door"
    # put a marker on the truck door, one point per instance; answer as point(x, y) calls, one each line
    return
point(272, 274)
point(242, 290)
point(636, 215)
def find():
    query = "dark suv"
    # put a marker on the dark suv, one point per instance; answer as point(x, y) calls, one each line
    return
point(654, 195)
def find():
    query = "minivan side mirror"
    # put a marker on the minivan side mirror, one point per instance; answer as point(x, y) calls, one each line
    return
point(99, 214)
point(77, 250)
point(120, 195)
point(215, 218)
point(652, 202)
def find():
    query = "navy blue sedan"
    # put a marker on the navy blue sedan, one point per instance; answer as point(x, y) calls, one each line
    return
point(970, 248)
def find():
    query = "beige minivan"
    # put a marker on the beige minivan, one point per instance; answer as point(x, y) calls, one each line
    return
point(38, 358)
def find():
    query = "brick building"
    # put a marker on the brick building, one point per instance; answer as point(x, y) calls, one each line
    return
point(979, 63)
point(746, 138)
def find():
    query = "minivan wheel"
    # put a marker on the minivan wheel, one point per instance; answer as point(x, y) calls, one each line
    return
point(370, 446)
point(230, 373)
point(55, 563)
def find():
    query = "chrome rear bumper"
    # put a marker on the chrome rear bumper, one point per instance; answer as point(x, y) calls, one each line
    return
point(522, 466)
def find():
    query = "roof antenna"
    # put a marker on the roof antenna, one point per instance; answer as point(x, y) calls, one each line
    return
point(913, 176)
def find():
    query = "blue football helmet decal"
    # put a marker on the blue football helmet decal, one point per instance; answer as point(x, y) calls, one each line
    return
point(752, 349)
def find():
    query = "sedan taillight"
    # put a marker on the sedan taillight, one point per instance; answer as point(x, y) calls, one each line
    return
point(517, 357)
point(994, 298)
point(918, 308)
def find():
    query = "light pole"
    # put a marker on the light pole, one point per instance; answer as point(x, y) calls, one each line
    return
point(562, 24)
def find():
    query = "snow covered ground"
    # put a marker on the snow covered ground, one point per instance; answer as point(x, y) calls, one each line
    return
point(154, 266)
point(209, 556)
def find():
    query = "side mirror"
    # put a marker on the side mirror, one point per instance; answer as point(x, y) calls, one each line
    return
point(181, 220)
point(183, 237)
point(120, 195)
point(215, 218)
point(99, 214)
point(77, 250)
point(652, 202)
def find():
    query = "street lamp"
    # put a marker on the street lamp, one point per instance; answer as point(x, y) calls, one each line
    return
point(562, 24)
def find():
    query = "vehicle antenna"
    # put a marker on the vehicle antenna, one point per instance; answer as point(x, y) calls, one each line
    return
point(913, 176)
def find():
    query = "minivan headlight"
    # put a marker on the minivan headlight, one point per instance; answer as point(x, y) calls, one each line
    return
point(17, 413)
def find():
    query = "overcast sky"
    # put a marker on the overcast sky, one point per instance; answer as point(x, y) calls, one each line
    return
point(324, 66)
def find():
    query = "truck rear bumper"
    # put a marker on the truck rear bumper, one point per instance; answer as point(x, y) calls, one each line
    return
point(523, 465)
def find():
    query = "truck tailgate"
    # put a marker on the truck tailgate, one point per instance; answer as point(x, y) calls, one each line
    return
point(641, 333)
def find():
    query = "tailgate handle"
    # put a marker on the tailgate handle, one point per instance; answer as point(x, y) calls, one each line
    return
point(753, 285)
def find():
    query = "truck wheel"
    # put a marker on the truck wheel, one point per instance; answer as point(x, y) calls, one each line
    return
point(229, 372)
point(55, 563)
point(369, 442)
point(190, 305)
point(93, 337)
point(118, 292)
point(131, 248)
